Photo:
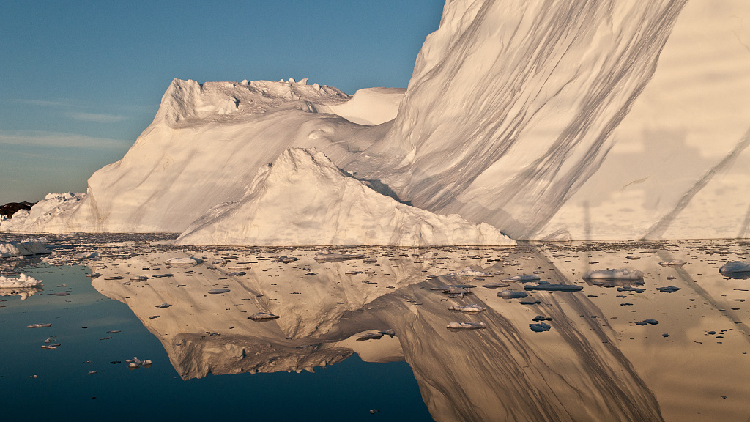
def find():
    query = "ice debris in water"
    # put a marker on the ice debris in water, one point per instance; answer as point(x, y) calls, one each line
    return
point(496, 285)
point(673, 263)
point(262, 316)
point(614, 274)
point(734, 267)
point(336, 257)
point(184, 262)
point(137, 363)
point(468, 272)
point(510, 294)
point(21, 282)
point(467, 308)
point(23, 248)
point(554, 287)
point(467, 325)
point(523, 278)
point(218, 291)
point(539, 327)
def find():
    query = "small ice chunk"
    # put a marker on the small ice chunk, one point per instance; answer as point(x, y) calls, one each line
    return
point(263, 316)
point(467, 325)
point(539, 327)
point(614, 274)
point(467, 308)
point(554, 287)
point(184, 262)
point(673, 263)
point(736, 269)
point(523, 278)
point(218, 291)
point(510, 294)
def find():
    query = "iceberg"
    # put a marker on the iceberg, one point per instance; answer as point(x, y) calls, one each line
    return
point(302, 198)
point(24, 248)
point(543, 121)
point(23, 281)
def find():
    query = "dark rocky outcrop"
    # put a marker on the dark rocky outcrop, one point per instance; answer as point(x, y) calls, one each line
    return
point(12, 207)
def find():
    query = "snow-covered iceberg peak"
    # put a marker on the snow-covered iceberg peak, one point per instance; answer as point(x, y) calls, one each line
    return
point(302, 198)
point(190, 100)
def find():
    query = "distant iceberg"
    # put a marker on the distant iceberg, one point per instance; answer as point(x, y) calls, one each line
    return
point(24, 248)
point(23, 281)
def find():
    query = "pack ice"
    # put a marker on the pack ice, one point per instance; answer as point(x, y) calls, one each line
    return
point(600, 120)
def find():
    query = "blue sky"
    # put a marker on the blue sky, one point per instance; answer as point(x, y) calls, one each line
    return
point(80, 80)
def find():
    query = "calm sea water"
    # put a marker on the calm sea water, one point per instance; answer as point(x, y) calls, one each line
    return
point(43, 385)
point(670, 346)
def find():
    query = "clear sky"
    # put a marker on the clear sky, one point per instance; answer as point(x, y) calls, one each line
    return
point(80, 80)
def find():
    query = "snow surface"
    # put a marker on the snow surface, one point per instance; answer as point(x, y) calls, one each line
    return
point(591, 120)
point(371, 106)
point(304, 199)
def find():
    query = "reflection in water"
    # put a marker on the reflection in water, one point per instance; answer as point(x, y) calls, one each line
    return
point(599, 361)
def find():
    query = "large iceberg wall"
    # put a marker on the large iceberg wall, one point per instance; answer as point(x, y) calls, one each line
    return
point(558, 119)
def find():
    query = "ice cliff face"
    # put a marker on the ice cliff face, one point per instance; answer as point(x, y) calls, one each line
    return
point(605, 119)
point(304, 199)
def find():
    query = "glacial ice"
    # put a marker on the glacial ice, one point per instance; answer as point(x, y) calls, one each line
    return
point(735, 268)
point(304, 199)
point(23, 248)
point(23, 281)
point(552, 122)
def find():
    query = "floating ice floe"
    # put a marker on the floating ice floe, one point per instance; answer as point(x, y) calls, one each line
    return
point(496, 285)
point(736, 269)
point(468, 272)
point(614, 274)
point(137, 363)
point(554, 287)
point(630, 289)
point(23, 281)
point(23, 248)
point(41, 325)
point(467, 325)
point(539, 327)
point(218, 291)
point(510, 294)
point(523, 278)
point(337, 257)
point(184, 262)
point(467, 308)
point(263, 316)
point(673, 263)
